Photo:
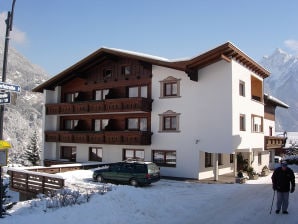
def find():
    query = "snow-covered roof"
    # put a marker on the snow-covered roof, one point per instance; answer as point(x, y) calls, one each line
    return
point(276, 101)
point(225, 52)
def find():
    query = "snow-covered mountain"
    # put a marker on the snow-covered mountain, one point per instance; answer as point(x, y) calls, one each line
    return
point(24, 117)
point(283, 84)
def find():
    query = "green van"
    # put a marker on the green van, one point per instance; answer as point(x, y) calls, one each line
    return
point(133, 173)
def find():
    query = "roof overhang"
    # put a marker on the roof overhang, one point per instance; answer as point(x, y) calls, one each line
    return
point(225, 52)
point(275, 101)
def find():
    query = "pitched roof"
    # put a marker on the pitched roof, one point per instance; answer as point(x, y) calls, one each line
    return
point(226, 51)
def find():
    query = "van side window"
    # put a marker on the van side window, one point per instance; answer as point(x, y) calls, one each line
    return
point(140, 168)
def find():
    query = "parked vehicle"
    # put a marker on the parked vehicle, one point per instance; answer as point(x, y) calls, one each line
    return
point(133, 173)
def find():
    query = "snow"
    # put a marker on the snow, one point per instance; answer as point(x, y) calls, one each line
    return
point(166, 201)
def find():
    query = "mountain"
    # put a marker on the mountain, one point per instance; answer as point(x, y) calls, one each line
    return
point(283, 84)
point(24, 117)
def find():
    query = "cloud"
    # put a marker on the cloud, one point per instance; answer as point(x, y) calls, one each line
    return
point(292, 45)
point(16, 35)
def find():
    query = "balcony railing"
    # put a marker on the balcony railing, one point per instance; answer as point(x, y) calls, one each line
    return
point(107, 137)
point(274, 142)
point(109, 105)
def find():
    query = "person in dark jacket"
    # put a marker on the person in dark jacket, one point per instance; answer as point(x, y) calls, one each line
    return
point(282, 178)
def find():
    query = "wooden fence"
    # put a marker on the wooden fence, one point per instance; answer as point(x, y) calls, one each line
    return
point(33, 183)
point(42, 180)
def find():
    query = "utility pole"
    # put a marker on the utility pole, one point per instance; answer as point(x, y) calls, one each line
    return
point(8, 21)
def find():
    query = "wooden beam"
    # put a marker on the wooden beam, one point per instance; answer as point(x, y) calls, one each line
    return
point(224, 57)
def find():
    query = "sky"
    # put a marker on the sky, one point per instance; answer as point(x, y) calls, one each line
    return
point(58, 33)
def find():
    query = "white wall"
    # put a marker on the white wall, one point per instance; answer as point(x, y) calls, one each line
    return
point(184, 141)
point(205, 109)
point(245, 105)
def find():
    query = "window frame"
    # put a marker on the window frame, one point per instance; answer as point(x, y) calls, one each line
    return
point(242, 122)
point(169, 115)
point(107, 73)
point(99, 157)
point(139, 91)
point(124, 70)
point(72, 123)
point(101, 124)
point(139, 124)
point(220, 159)
point(71, 156)
point(102, 95)
point(169, 81)
point(208, 159)
point(241, 88)
point(124, 157)
point(257, 128)
point(71, 97)
point(164, 153)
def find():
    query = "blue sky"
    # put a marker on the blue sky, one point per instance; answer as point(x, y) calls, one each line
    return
point(56, 34)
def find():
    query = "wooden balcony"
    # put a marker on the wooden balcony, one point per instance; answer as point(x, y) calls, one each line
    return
point(109, 105)
point(106, 137)
point(274, 142)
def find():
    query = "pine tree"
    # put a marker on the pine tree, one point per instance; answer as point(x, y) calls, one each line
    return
point(32, 153)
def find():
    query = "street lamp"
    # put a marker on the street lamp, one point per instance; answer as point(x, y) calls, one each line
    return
point(8, 21)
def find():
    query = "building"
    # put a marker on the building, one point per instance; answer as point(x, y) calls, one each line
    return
point(191, 117)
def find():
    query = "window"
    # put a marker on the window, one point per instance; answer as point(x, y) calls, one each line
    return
point(242, 122)
point(170, 87)
point(137, 124)
point(134, 154)
point(101, 94)
point(70, 124)
point(138, 91)
point(219, 157)
point(99, 125)
point(241, 88)
point(107, 73)
point(208, 159)
point(95, 154)
point(164, 158)
point(257, 123)
point(71, 97)
point(169, 122)
point(133, 123)
point(231, 158)
point(125, 70)
point(69, 153)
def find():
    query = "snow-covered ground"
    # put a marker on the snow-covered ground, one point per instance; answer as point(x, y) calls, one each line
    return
point(166, 201)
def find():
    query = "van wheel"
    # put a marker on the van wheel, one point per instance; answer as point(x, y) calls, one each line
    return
point(100, 179)
point(134, 182)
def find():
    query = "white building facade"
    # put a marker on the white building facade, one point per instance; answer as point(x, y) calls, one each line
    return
point(204, 112)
